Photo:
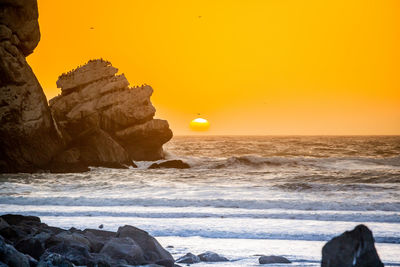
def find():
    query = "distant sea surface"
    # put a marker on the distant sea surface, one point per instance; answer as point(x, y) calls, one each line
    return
point(242, 196)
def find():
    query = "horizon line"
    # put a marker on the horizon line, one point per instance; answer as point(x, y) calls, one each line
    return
point(337, 135)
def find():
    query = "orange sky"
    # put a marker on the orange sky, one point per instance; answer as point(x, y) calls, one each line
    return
point(249, 67)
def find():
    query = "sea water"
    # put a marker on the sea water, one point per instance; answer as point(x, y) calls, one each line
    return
point(243, 196)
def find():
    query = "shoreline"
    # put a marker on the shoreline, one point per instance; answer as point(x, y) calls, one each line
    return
point(245, 253)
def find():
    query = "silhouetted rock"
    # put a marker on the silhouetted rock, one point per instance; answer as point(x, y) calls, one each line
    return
point(210, 256)
point(124, 248)
point(17, 219)
point(273, 259)
point(73, 252)
point(92, 148)
point(188, 258)
point(33, 245)
point(352, 248)
point(28, 137)
point(152, 250)
point(91, 247)
point(176, 163)
point(104, 121)
point(73, 238)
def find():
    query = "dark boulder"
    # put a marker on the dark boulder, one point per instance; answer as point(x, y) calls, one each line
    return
point(273, 259)
point(124, 248)
point(352, 248)
point(12, 233)
point(72, 238)
point(33, 245)
point(176, 163)
point(77, 254)
point(97, 238)
point(210, 256)
point(53, 246)
point(14, 219)
point(188, 258)
point(153, 251)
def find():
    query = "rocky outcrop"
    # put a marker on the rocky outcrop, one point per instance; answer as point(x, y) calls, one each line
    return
point(152, 250)
point(28, 137)
point(96, 106)
point(25, 241)
point(352, 248)
point(174, 163)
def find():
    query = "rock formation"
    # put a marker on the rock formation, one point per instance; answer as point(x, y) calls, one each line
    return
point(103, 120)
point(352, 248)
point(98, 120)
point(26, 241)
point(28, 137)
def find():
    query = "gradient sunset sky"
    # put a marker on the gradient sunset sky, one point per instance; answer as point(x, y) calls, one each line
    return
point(249, 67)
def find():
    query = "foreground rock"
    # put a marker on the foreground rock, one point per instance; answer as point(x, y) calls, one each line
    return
point(28, 137)
point(25, 241)
point(352, 248)
point(105, 122)
point(176, 163)
point(273, 259)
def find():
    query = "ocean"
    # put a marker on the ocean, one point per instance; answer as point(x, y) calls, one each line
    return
point(243, 196)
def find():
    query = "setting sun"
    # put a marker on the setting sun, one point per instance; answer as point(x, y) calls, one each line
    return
point(254, 67)
point(199, 124)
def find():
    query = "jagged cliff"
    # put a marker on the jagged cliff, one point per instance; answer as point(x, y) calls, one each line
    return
point(98, 120)
point(28, 138)
point(104, 121)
